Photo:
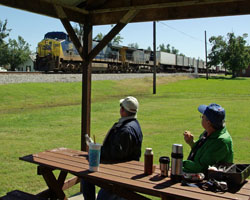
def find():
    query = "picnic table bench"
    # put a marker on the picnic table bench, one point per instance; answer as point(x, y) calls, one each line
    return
point(126, 179)
point(20, 195)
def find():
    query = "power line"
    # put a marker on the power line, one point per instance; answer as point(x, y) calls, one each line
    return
point(192, 37)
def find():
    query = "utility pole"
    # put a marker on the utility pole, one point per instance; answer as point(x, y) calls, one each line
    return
point(154, 47)
point(206, 54)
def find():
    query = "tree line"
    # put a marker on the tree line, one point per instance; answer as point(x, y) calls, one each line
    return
point(231, 52)
point(119, 39)
point(12, 52)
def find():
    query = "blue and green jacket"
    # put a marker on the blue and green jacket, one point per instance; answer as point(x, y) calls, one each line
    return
point(218, 148)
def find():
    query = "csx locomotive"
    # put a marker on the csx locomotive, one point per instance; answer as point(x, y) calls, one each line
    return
point(56, 52)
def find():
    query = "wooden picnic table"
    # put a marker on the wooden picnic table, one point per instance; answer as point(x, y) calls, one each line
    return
point(126, 179)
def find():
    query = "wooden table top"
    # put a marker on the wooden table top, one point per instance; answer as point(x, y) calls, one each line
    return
point(128, 175)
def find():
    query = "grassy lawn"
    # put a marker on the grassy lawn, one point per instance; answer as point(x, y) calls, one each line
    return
point(39, 116)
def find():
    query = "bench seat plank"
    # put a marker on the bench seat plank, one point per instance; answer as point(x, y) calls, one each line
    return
point(20, 195)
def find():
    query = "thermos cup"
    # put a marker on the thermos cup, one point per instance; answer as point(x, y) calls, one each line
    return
point(164, 165)
point(176, 162)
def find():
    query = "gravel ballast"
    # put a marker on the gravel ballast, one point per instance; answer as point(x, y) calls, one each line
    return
point(44, 78)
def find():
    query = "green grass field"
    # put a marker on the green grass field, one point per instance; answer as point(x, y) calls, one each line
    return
point(39, 116)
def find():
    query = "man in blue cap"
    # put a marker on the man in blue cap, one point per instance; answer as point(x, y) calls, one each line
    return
point(214, 145)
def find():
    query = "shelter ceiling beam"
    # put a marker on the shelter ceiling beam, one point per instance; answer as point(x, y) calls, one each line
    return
point(46, 7)
point(198, 10)
point(162, 5)
point(104, 12)
point(73, 8)
point(62, 16)
point(118, 27)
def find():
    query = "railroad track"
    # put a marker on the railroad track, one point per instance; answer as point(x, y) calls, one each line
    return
point(11, 72)
point(32, 73)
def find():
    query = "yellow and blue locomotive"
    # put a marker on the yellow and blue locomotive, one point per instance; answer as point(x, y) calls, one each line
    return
point(57, 53)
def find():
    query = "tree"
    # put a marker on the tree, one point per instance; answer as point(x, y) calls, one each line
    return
point(231, 52)
point(149, 48)
point(18, 52)
point(99, 37)
point(237, 55)
point(168, 49)
point(78, 28)
point(3, 54)
point(134, 45)
point(14, 52)
point(4, 33)
point(174, 50)
point(217, 52)
point(162, 47)
point(117, 39)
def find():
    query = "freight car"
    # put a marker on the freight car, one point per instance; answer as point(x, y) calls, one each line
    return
point(56, 52)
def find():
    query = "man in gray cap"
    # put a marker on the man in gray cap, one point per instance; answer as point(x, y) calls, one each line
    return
point(122, 143)
point(215, 143)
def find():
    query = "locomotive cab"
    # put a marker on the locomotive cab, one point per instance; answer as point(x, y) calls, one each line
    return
point(49, 51)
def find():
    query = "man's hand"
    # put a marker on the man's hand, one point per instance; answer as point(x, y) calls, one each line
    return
point(189, 138)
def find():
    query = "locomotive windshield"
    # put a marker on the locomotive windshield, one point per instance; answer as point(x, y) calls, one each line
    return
point(56, 35)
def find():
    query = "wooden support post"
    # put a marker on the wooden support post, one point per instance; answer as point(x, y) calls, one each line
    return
point(88, 56)
point(86, 83)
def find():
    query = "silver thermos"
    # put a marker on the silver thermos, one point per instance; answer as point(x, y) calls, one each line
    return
point(176, 162)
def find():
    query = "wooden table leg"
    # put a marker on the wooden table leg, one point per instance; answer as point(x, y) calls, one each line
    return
point(54, 185)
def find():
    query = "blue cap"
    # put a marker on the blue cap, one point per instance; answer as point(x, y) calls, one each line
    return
point(214, 113)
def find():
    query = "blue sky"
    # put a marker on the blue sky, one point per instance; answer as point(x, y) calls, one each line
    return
point(185, 35)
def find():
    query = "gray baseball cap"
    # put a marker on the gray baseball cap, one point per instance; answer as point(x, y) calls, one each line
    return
point(130, 104)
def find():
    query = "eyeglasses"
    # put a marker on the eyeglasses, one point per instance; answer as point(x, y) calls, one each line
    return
point(203, 117)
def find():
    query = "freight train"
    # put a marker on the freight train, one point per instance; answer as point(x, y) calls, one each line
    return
point(56, 52)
